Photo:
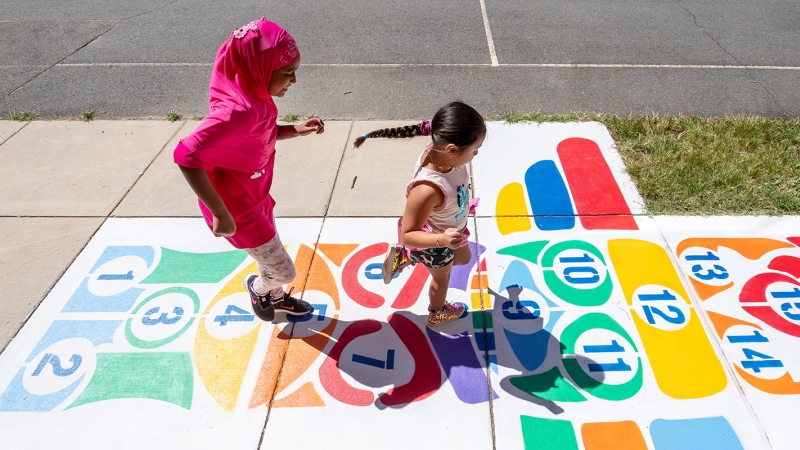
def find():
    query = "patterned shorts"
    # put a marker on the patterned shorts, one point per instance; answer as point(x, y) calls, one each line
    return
point(435, 258)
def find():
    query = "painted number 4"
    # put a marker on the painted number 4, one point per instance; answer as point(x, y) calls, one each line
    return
point(240, 316)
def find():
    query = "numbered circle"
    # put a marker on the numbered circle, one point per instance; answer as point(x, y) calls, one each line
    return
point(751, 350)
point(661, 307)
point(117, 276)
point(606, 356)
point(705, 266)
point(377, 360)
point(231, 317)
point(521, 310)
point(60, 365)
point(784, 298)
point(579, 269)
point(162, 317)
point(318, 320)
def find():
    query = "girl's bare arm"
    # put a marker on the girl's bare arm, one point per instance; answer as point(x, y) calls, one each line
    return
point(422, 199)
point(223, 223)
point(312, 125)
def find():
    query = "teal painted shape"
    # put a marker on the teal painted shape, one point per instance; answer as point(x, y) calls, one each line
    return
point(550, 434)
point(183, 267)
point(158, 376)
point(707, 433)
point(528, 251)
point(549, 385)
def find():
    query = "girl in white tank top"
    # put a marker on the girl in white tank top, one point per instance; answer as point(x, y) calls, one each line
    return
point(433, 229)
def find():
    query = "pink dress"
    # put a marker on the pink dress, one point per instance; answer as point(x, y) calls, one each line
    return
point(235, 143)
point(245, 194)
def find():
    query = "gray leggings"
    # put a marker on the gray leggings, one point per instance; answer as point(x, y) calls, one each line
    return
point(275, 266)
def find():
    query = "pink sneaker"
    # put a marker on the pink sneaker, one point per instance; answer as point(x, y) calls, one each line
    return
point(450, 312)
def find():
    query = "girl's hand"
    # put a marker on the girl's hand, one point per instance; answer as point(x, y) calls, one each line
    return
point(451, 238)
point(223, 225)
point(312, 125)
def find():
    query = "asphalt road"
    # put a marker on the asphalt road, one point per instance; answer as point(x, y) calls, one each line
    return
point(367, 59)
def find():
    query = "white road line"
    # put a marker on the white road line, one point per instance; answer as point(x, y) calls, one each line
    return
point(489, 40)
point(653, 66)
point(554, 65)
point(135, 64)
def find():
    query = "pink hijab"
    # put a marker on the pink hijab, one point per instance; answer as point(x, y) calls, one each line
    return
point(239, 132)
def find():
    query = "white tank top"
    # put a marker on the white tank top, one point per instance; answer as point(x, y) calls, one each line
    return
point(453, 211)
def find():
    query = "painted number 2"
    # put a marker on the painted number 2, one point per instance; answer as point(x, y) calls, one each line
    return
point(55, 361)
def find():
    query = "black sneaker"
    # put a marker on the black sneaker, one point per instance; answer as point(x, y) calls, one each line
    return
point(292, 305)
point(261, 303)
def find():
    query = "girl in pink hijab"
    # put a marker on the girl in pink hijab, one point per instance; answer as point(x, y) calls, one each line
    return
point(229, 159)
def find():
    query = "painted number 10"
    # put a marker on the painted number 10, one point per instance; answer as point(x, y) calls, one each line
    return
point(580, 274)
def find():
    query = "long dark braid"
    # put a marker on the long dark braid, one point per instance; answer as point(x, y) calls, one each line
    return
point(454, 123)
point(421, 129)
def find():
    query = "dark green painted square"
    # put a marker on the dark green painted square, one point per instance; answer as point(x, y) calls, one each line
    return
point(477, 320)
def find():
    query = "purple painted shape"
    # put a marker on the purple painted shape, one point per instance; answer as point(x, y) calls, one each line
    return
point(461, 365)
point(459, 277)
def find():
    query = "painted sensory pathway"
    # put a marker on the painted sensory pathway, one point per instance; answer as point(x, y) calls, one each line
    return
point(591, 326)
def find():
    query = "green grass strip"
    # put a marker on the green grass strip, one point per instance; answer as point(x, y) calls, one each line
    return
point(691, 165)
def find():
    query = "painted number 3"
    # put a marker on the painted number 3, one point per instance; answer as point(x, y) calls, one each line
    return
point(163, 318)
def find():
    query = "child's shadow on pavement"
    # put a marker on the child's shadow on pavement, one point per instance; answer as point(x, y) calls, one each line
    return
point(443, 353)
